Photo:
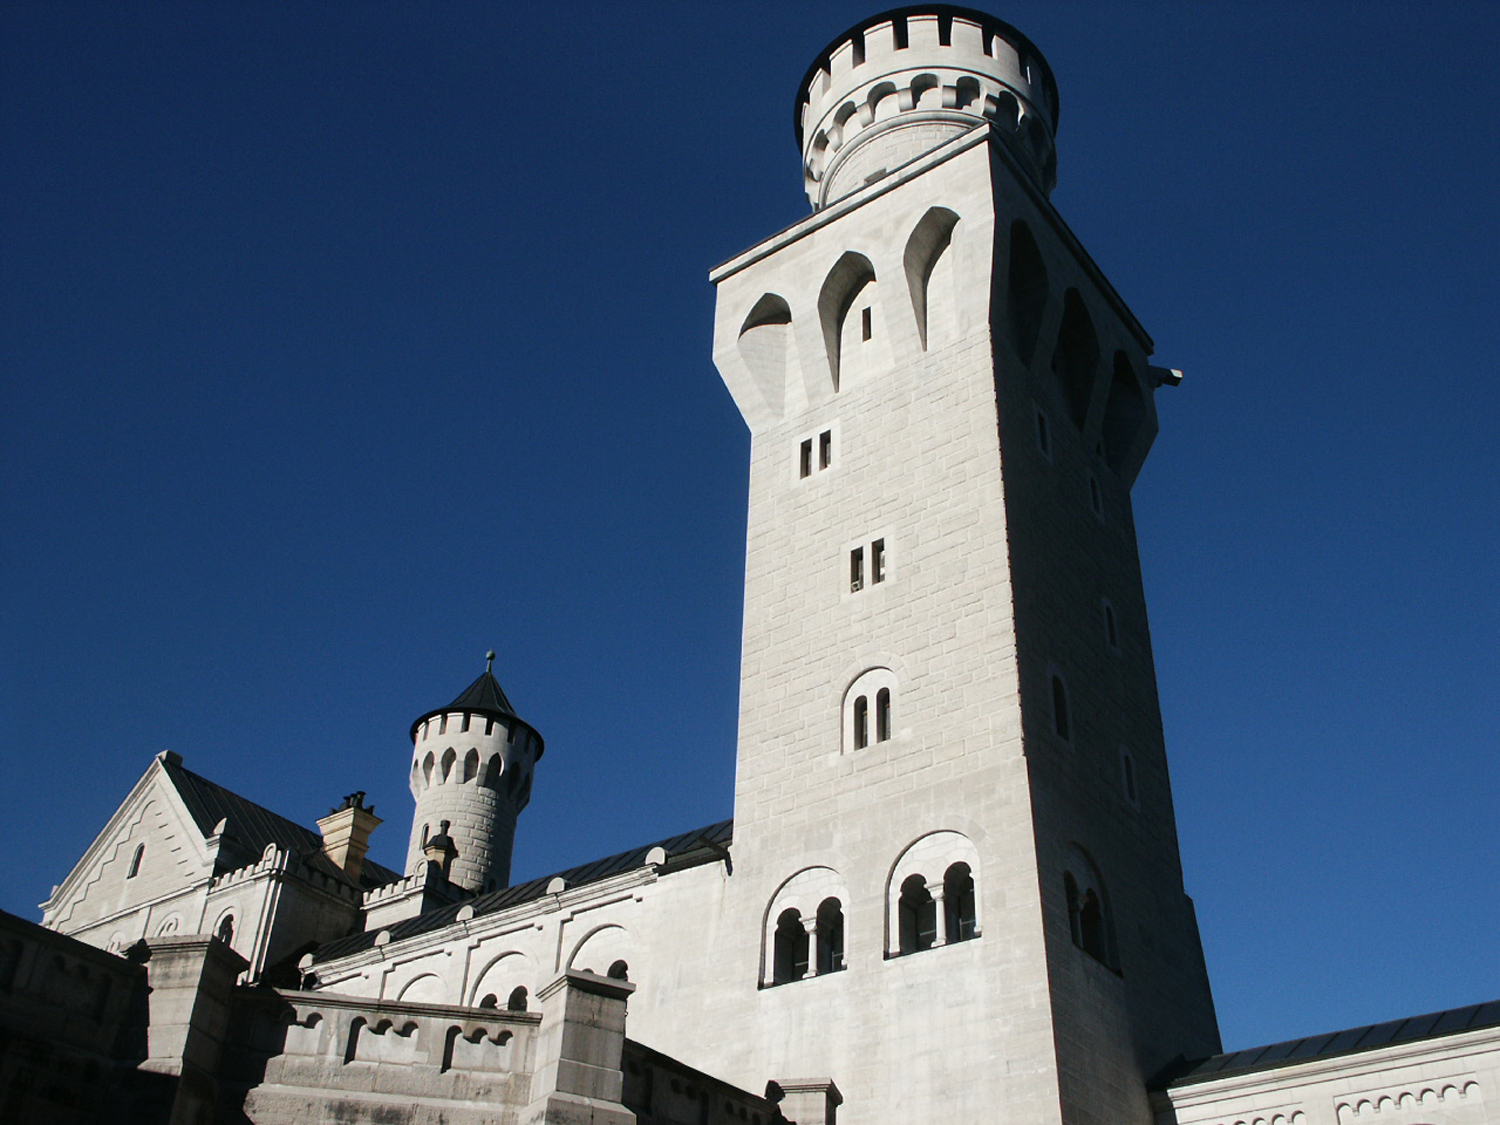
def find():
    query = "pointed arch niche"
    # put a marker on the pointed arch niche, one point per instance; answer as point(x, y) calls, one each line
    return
point(847, 309)
point(930, 279)
point(766, 347)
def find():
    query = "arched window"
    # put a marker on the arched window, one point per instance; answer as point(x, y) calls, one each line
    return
point(225, 932)
point(918, 915)
point(958, 903)
point(492, 773)
point(861, 728)
point(789, 957)
point(830, 936)
point(426, 831)
point(449, 757)
point(490, 1001)
point(135, 861)
point(620, 970)
point(1089, 922)
point(1061, 722)
point(427, 768)
point(1026, 290)
point(471, 764)
point(517, 1001)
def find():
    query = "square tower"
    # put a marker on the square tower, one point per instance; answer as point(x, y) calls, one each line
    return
point(949, 727)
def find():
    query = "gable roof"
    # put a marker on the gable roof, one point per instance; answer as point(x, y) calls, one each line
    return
point(1348, 1042)
point(689, 849)
point(253, 827)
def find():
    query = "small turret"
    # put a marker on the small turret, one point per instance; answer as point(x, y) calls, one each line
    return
point(902, 83)
point(471, 776)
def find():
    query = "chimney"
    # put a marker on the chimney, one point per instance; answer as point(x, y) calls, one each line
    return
point(346, 833)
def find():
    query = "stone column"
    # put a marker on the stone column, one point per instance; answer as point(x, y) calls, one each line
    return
point(811, 926)
point(809, 1101)
point(191, 979)
point(578, 1080)
point(940, 914)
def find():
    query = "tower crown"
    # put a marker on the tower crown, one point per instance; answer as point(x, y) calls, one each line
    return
point(471, 770)
point(900, 84)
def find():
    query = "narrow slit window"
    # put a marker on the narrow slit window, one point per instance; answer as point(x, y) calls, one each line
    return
point(135, 861)
point(467, 718)
point(1127, 776)
point(1096, 501)
point(1043, 435)
point(862, 722)
point(883, 715)
point(825, 449)
point(806, 463)
point(857, 569)
point(865, 326)
point(1111, 629)
point(877, 561)
point(443, 725)
point(1060, 719)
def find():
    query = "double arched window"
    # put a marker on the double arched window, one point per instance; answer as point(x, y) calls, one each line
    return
point(805, 928)
point(1090, 923)
point(932, 896)
point(870, 709)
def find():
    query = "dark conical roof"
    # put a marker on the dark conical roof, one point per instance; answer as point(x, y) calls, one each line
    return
point(484, 694)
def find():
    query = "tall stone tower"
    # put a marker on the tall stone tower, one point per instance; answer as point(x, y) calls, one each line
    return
point(953, 821)
point(471, 770)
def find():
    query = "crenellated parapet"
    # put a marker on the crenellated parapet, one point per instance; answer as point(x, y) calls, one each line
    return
point(903, 83)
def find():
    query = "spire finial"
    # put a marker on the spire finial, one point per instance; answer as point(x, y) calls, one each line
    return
point(489, 661)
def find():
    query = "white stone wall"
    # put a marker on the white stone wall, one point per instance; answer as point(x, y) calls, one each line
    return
point(1449, 1080)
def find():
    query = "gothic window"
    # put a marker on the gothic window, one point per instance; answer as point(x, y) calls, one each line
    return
point(449, 757)
point(225, 932)
point(958, 903)
point(789, 958)
point(917, 915)
point(830, 936)
point(135, 861)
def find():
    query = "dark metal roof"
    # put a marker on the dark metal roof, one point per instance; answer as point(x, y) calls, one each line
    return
point(484, 694)
point(1333, 1043)
point(690, 849)
point(252, 827)
point(483, 697)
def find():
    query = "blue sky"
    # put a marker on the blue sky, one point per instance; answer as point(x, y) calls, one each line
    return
point(343, 342)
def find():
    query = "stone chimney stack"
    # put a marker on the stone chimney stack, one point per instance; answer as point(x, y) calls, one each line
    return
point(346, 833)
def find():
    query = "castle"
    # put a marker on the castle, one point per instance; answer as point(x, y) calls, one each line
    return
point(951, 889)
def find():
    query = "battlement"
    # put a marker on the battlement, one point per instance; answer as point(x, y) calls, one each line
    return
point(902, 83)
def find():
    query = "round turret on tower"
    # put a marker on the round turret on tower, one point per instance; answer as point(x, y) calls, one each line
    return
point(899, 84)
point(471, 776)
